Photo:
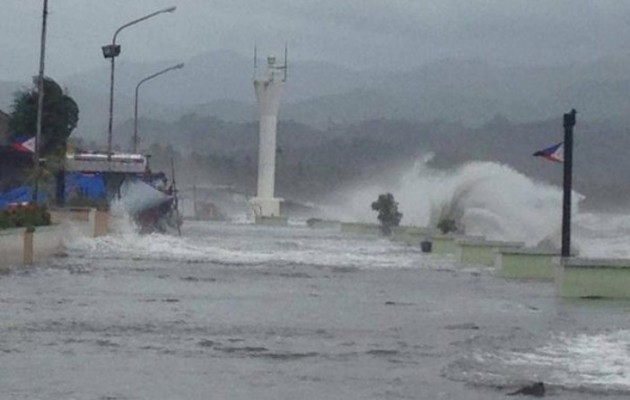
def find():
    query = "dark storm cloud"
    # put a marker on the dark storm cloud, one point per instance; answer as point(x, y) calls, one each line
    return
point(367, 33)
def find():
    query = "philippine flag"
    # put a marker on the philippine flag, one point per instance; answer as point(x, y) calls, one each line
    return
point(24, 145)
point(554, 153)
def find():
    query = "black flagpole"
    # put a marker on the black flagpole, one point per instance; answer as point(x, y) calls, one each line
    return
point(569, 123)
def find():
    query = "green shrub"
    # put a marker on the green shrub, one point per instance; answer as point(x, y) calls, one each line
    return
point(5, 220)
point(24, 216)
point(388, 213)
point(447, 226)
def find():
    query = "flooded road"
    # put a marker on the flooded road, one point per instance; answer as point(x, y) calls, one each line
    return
point(232, 311)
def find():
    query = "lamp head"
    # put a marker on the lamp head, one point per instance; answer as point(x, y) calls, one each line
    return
point(170, 9)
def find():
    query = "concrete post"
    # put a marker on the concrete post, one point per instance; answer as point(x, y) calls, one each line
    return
point(101, 222)
point(27, 248)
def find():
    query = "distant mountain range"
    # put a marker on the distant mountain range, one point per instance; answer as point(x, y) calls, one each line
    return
point(338, 125)
point(313, 162)
point(324, 95)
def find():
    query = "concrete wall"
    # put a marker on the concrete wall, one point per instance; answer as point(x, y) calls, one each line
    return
point(580, 277)
point(410, 235)
point(20, 247)
point(11, 245)
point(47, 242)
point(525, 264)
point(360, 228)
point(480, 252)
point(325, 224)
point(443, 244)
point(87, 222)
point(271, 221)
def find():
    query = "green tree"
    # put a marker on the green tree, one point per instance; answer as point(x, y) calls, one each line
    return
point(60, 117)
point(447, 225)
point(388, 213)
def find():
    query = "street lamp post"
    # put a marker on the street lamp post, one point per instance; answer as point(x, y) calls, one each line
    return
point(135, 114)
point(40, 102)
point(112, 51)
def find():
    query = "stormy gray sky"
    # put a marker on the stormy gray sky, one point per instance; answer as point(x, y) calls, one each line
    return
point(365, 34)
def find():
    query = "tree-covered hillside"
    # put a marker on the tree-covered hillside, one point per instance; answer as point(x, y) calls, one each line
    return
point(312, 163)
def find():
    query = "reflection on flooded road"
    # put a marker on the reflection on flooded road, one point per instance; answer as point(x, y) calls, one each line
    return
point(243, 312)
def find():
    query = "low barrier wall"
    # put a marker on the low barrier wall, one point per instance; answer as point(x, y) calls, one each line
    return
point(410, 235)
point(592, 278)
point(481, 252)
point(324, 224)
point(11, 245)
point(525, 263)
point(21, 246)
point(47, 242)
point(361, 228)
point(443, 244)
point(447, 243)
point(271, 221)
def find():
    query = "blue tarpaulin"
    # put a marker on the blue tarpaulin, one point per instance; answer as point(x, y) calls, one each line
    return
point(21, 194)
point(85, 185)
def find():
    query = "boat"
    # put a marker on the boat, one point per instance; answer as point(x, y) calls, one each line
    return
point(152, 205)
point(146, 196)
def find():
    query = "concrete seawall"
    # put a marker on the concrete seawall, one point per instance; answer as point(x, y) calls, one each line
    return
point(592, 278)
point(525, 263)
point(361, 228)
point(411, 235)
point(480, 251)
point(22, 246)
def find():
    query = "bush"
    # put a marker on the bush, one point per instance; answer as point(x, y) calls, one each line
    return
point(5, 220)
point(21, 216)
point(447, 226)
point(388, 213)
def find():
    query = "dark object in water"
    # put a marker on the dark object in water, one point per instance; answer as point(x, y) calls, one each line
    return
point(468, 325)
point(312, 221)
point(426, 246)
point(592, 297)
point(535, 389)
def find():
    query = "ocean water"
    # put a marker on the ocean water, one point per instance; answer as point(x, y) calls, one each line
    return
point(238, 311)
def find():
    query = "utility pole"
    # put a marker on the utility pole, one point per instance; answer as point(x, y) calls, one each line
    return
point(569, 123)
point(40, 101)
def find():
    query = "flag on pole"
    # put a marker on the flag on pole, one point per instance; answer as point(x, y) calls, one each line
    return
point(24, 145)
point(554, 153)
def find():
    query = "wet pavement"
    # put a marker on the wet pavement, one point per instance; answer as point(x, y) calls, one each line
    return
point(242, 312)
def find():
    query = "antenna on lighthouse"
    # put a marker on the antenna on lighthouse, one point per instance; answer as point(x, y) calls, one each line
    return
point(255, 61)
point(286, 61)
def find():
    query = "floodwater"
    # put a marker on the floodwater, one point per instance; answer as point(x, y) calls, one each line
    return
point(236, 311)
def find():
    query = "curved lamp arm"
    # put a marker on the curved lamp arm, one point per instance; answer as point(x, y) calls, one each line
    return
point(128, 24)
point(135, 113)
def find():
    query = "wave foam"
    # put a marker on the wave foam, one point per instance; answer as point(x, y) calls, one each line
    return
point(582, 361)
point(489, 199)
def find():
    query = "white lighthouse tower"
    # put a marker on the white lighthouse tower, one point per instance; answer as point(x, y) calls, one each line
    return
point(265, 206)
